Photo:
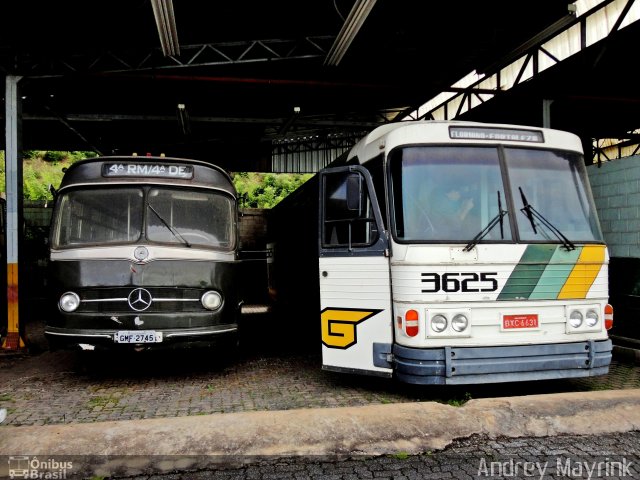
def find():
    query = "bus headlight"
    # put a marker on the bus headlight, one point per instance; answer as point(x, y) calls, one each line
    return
point(591, 318)
point(575, 318)
point(438, 323)
point(459, 323)
point(211, 300)
point(69, 302)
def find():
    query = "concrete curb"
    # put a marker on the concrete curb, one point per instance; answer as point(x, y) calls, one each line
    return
point(372, 430)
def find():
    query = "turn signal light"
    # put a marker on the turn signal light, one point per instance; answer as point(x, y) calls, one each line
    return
point(608, 316)
point(411, 323)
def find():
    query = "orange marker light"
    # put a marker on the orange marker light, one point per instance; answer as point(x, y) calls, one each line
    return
point(608, 316)
point(411, 323)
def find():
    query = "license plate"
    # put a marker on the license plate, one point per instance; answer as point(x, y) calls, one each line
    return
point(519, 322)
point(138, 336)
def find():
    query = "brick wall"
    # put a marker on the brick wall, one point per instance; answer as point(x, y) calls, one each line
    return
point(253, 228)
point(616, 189)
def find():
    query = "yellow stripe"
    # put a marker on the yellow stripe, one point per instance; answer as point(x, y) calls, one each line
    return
point(12, 297)
point(13, 340)
point(584, 273)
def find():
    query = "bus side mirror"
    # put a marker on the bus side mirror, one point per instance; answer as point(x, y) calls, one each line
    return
point(53, 190)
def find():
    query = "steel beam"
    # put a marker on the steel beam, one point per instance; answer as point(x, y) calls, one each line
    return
point(13, 180)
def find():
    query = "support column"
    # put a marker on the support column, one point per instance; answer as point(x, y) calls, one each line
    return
point(546, 113)
point(13, 179)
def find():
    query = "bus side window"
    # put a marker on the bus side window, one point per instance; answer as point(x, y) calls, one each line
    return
point(347, 215)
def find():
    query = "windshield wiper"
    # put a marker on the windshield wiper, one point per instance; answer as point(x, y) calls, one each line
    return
point(492, 223)
point(175, 232)
point(531, 212)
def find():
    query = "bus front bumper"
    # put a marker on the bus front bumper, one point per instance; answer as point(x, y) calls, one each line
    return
point(66, 338)
point(468, 365)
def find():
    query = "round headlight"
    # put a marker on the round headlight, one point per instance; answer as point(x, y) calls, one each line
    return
point(211, 300)
point(69, 302)
point(575, 319)
point(459, 323)
point(592, 318)
point(438, 323)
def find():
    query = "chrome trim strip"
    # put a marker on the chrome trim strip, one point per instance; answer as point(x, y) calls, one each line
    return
point(156, 181)
point(156, 252)
point(88, 335)
point(155, 299)
point(190, 334)
point(104, 300)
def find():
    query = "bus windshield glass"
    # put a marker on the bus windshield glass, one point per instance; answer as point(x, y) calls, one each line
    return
point(448, 193)
point(110, 216)
point(556, 186)
point(457, 194)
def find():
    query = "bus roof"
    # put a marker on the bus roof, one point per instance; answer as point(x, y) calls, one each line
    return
point(391, 135)
point(147, 170)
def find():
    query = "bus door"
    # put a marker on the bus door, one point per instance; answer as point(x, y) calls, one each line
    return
point(355, 286)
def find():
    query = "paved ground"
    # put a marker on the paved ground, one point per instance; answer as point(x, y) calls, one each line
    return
point(65, 391)
point(604, 456)
point(61, 387)
point(613, 456)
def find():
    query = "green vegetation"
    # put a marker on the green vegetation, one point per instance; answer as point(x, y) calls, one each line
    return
point(265, 190)
point(101, 401)
point(44, 168)
point(458, 402)
point(400, 456)
point(5, 397)
point(41, 169)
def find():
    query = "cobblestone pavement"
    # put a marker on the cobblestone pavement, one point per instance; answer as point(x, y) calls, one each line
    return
point(62, 387)
point(615, 456)
point(612, 456)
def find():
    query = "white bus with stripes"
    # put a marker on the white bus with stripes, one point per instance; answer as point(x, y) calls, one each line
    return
point(455, 253)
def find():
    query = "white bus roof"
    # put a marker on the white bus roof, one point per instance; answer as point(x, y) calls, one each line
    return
point(386, 137)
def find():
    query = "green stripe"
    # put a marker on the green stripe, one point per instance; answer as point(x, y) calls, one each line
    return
point(555, 275)
point(527, 273)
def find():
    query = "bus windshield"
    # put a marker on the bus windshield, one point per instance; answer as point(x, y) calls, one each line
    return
point(555, 184)
point(457, 194)
point(123, 215)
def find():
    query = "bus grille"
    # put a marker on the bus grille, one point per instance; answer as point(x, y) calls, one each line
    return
point(163, 300)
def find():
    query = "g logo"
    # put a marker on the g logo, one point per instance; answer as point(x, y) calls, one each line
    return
point(339, 326)
point(140, 299)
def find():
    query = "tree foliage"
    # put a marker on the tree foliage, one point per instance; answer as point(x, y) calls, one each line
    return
point(265, 190)
point(44, 168)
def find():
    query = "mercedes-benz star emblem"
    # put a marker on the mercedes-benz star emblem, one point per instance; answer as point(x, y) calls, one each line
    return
point(140, 299)
point(140, 253)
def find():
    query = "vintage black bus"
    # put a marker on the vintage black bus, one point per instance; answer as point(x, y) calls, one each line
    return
point(143, 255)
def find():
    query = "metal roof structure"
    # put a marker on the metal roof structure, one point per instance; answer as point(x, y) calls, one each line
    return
point(242, 83)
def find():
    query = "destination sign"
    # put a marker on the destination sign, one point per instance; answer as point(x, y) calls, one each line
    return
point(496, 134)
point(163, 170)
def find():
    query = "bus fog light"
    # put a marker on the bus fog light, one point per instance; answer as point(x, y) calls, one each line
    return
point(459, 323)
point(591, 318)
point(69, 302)
point(439, 323)
point(211, 300)
point(575, 319)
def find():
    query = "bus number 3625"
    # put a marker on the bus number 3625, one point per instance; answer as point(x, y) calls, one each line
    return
point(460, 282)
